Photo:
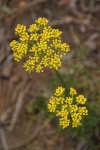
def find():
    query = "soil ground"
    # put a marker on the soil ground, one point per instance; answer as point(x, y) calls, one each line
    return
point(80, 22)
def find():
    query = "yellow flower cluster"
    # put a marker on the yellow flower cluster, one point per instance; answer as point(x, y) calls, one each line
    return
point(19, 49)
point(21, 31)
point(40, 45)
point(68, 109)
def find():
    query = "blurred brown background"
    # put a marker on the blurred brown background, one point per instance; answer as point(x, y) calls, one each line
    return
point(80, 22)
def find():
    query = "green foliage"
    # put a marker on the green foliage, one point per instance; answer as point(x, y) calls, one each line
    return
point(86, 80)
point(39, 105)
point(84, 77)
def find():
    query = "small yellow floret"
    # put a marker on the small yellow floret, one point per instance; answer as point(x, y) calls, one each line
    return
point(20, 29)
point(69, 100)
point(72, 91)
point(64, 122)
point(81, 99)
point(29, 64)
point(59, 91)
point(34, 37)
point(33, 28)
point(19, 49)
point(42, 21)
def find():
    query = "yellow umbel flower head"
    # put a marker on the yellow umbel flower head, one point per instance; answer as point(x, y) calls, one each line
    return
point(40, 45)
point(70, 110)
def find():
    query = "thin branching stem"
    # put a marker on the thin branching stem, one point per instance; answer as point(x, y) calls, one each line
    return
point(59, 76)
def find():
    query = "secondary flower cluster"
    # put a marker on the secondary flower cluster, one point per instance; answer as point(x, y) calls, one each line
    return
point(40, 45)
point(69, 109)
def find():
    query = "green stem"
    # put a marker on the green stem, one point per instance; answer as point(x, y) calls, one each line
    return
point(59, 76)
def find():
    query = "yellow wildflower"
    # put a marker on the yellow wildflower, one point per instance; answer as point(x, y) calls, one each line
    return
point(67, 107)
point(40, 45)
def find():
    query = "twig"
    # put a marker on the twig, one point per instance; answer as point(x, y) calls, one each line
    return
point(1, 2)
point(16, 91)
point(82, 145)
point(18, 107)
point(69, 19)
point(85, 9)
point(93, 36)
point(74, 35)
point(20, 10)
point(35, 133)
point(3, 139)
point(83, 6)
point(90, 41)
point(5, 115)
point(92, 6)
point(8, 59)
